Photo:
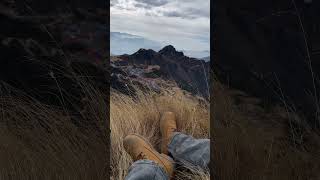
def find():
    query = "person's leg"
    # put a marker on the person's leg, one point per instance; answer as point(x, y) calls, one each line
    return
point(149, 164)
point(183, 148)
point(186, 149)
point(146, 170)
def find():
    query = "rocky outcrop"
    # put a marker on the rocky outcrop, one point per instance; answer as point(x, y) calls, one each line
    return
point(46, 57)
point(189, 73)
point(170, 51)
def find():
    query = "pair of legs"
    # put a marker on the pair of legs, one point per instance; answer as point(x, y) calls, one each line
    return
point(175, 147)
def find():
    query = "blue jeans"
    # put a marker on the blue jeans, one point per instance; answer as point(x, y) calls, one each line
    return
point(183, 148)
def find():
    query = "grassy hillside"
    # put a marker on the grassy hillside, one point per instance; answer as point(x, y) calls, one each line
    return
point(142, 114)
point(256, 141)
point(251, 140)
point(39, 141)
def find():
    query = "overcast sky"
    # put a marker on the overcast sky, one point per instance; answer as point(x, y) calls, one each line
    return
point(184, 24)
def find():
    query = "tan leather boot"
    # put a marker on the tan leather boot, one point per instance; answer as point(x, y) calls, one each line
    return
point(139, 148)
point(168, 126)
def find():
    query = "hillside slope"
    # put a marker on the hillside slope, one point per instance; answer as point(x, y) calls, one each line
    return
point(253, 140)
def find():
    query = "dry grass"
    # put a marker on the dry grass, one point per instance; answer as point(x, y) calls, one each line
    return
point(258, 146)
point(42, 142)
point(141, 115)
point(38, 141)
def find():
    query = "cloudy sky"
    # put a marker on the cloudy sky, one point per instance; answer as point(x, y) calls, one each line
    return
point(184, 24)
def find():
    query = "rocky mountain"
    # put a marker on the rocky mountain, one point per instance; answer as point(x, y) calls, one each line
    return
point(169, 64)
point(43, 54)
point(206, 58)
point(125, 43)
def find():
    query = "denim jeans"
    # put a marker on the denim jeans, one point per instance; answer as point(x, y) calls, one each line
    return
point(183, 148)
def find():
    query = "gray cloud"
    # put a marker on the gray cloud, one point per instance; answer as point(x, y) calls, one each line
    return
point(172, 14)
point(165, 21)
point(155, 3)
point(188, 9)
point(192, 12)
point(189, 13)
point(113, 2)
point(145, 6)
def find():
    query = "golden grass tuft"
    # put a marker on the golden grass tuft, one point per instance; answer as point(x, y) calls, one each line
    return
point(141, 115)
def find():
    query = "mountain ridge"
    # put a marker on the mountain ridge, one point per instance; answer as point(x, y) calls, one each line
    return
point(190, 74)
point(126, 43)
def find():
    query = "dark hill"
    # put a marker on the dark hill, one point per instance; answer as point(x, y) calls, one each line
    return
point(191, 74)
point(260, 48)
point(43, 55)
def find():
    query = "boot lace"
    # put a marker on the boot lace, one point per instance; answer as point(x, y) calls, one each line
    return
point(142, 156)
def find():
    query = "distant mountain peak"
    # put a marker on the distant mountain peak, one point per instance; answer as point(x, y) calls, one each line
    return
point(168, 48)
point(170, 51)
point(145, 53)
